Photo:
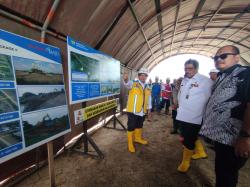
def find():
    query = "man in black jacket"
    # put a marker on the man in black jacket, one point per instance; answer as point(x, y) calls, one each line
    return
point(227, 116)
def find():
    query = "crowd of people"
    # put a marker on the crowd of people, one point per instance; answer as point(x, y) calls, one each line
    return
point(215, 108)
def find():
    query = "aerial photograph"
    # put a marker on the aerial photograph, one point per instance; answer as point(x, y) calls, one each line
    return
point(116, 88)
point(84, 69)
point(106, 89)
point(6, 70)
point(110, 71)
point(8, 101)
point(35, 72)
point(33, 98)
point(10, 134)
point(41, 125)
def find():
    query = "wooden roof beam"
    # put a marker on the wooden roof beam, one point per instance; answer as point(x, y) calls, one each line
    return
point(140, 26)
point(112, 26)
point(230, 36)
point(209, 21)
point(230, 23)
point(159, 20)
point(206, 38)
point(196, 14)
point(175, 24)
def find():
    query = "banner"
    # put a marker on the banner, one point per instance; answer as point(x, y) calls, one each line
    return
point(33, 108)
point(92, 74)
point(94, 110)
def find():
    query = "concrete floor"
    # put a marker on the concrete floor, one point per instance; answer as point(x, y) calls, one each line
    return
point(152, 165)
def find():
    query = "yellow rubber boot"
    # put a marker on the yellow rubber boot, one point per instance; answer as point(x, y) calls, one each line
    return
point(131, 146)
point(199, 151)
point(138, 137)
point(185, 164)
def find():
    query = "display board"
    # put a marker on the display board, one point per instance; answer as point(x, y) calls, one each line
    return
point(33, 108)
point(92, 74)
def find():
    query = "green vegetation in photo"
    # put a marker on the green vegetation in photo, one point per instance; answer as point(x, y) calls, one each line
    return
point(104, 89)
point(32, 100)
point(34, 133)
point(116, 89)
point(6, 70)
point(109, 87)
point(10, 134)
point(8, 101)
point(86, 65)
point(35, 72)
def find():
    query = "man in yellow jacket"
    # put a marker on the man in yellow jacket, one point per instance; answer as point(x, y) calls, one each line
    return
point(138, 105)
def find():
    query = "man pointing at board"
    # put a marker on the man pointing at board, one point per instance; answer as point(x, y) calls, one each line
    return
point(138, 104)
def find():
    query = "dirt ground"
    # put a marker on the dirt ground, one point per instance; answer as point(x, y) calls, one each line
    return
point(151, 166)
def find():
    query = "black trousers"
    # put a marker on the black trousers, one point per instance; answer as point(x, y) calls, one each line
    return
point(227, 165)
point(175, 122)
point(134, 121)
point(166, 103)
point(189, 133)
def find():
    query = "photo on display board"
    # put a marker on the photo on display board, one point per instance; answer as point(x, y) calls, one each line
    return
point(33, 98)
point(84, 69)
point(35, 72)
point(116, 88)
point(6, 70)
point(10, 134)
point(106, 89)
point(110, 72)
point(33, 103)
point(40, 125)
point(8, 101)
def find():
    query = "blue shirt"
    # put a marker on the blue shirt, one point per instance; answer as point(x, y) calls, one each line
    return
point(156, 89)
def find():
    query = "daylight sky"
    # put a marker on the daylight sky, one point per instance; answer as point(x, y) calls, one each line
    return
point(36, 89)
point(34, 117)
point(173, 67)
point(25, 64)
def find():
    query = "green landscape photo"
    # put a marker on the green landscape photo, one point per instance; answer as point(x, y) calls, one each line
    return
point(10, 134)
point(35, 72)
point(8, 101)
point(33, 98)
point(84, 69)
point(39, 126)
point(6, 70)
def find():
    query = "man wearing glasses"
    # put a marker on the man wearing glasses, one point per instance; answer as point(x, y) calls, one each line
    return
point(193, 95)
point(227, 116)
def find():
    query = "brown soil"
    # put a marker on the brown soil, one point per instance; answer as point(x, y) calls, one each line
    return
point(153, 165)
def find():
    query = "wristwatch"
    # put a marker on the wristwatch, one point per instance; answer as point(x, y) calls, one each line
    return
point(244, 134)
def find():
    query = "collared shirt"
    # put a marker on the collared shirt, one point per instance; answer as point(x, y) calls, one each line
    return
point(156, 89)
point(129, 85)
point(223, 117)
point(192, 97)
point(166, 91)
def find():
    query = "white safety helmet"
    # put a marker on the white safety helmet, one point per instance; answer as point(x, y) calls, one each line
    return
point(143, 71)
point(214, 71)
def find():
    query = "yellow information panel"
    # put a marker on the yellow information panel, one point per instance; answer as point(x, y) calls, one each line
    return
point(94, 110)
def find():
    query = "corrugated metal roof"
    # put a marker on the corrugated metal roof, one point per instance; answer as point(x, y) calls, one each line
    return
point(144, 32)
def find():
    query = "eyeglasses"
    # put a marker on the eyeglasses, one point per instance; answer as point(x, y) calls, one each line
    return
point(222, 56)
point(188, 69)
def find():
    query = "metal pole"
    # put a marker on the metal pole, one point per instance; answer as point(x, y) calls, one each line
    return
point(48, 19)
